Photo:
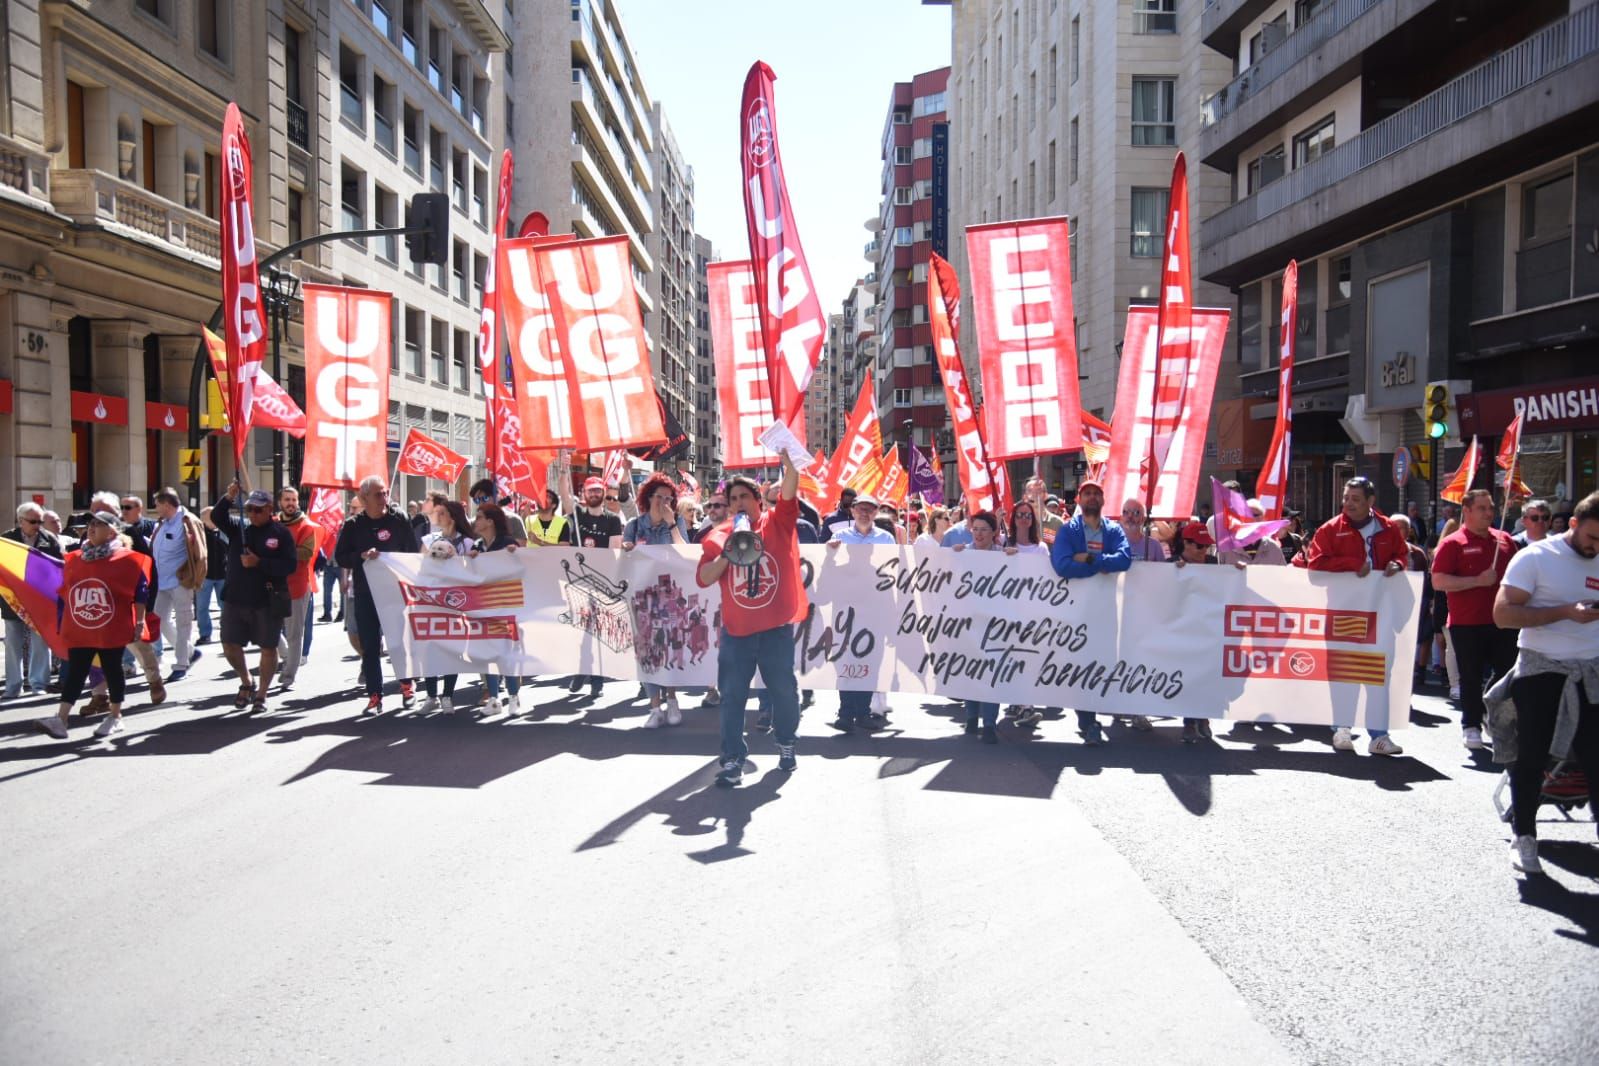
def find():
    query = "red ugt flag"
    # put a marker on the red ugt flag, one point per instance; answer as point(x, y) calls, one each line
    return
point(244, 318)
point(423, 456)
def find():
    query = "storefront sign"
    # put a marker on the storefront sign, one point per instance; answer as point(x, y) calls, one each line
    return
point(1398, 339)
point(5, 397)
point(1546, 408)
point(168, 417)
point(102, 410)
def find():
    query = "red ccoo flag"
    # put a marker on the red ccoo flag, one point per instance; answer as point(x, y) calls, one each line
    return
point(1272, 487)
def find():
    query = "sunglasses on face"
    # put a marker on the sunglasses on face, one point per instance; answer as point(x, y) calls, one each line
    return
point(1535, 518)
point(716, 506)
point(29, 521)
point(130, 506)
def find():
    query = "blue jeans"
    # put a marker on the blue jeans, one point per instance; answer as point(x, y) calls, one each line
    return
point(513, 684)
point(852, 705)
point(975, 709)
point(330, 579)
point(202, 610)
point(38, 658)
point(370, 632)
point(772, 651)
point(310, 618)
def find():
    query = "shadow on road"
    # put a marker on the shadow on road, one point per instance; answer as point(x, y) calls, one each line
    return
point(1545, 893)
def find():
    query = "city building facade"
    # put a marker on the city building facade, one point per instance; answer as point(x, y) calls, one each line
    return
point(1076, 108)
point(671, 322)
point(1434, 170)
point(707, 424)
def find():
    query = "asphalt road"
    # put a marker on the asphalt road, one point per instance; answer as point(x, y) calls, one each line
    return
point(304, 885)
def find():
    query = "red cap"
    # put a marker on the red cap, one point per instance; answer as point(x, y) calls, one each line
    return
point(1196, 533)
point(1090, 483)
point(594, 483)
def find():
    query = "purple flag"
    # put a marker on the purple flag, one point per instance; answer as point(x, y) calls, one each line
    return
point(1237, 526)
point(923, 480)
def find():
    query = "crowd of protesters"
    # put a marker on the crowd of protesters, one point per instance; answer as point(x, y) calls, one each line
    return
point(1497, 609)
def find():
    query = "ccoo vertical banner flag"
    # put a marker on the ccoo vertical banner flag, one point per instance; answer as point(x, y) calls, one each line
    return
point(1174, 348)
point(743, 389)
point(580, 363)
point(1272, 486)
point(1022, 297)
point(347, 385)
point(943, 309)
point(1177, 476)
point(859, 447)
point(791, 321)
point(488, 333)
point(244, 315)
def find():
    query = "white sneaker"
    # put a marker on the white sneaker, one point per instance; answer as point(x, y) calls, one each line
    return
point(429, 703)
point(674, 713)
point(656, 719)
point(1342, 741)
point(1454, 692)
point(1472, 738)
point(513, 702)
point(446, 705)
point(1524, 855)
point(1383, 746)
point(53, 726)
point(112, 724)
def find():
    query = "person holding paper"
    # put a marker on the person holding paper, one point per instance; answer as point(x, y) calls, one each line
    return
point(854, 707)
point(1087, 545)
point(761, 603)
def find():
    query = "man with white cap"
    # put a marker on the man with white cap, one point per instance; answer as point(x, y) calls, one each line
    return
point(855, 707)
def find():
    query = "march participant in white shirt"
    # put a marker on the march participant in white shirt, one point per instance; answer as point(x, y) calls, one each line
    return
point(1550, 591)
point(855, 707)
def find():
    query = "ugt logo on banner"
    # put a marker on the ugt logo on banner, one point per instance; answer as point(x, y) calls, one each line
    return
point(347, 384)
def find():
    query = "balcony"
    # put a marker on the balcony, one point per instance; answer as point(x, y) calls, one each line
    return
point(24, 173)
point(1329, 21)
point(1223, 20)
point(601, 105)
point(299, 126)
point(1466, 134)
point(95, 200)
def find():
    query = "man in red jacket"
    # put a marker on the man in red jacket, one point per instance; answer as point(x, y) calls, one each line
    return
point(1358, 540)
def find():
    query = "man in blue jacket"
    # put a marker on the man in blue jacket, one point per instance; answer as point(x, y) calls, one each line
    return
point(1086, 545)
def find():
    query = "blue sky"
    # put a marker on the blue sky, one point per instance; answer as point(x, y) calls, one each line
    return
point(836, 63)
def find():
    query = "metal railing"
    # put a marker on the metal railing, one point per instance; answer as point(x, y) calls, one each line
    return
point(1330, 20)
point(299, 124)
point(1557, 45)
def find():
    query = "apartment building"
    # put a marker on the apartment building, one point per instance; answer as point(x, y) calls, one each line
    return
point(912, 223)
point(671, 322)
point(829, 398)
point(1076, 108)
point(706, 430)
point(418, 90)
point(1434, 169)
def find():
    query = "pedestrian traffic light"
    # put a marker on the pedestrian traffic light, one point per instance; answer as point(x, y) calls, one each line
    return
point(427, 217)
point(1437, 410)
point(189, 464)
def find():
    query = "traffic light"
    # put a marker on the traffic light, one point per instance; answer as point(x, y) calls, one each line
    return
point(1438, 411)
point(428, 215)
point(215, 414)
point(189, 464)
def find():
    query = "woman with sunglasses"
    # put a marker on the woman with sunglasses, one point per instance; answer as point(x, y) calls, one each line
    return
point(658, 523)
point(495, 532)
point(984, 527)
point(938, 523)
point(451, 537)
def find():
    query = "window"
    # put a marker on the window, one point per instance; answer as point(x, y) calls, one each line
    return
point(1148, 222)
point(458, 271)
point(480, 196)
point(461, 359)
point(1265, 169)
point(902, 156)
point(902, 196)
point(386, 213)
point(1032, 189)
point(383, 114)
point(436, 154)
point(293, 42)
point(352, 190)
point(1071, 155)
point(1054, 74)
point(1249, 333)
point(480, 269)
point(1546, 210)
point(1154, 16)
point(212, 28)
point(1543, 262)
point(77, 145)
point(408, 34)
point(1077, 38)
point(1339, 289)
point(1050, 178)
point(439, 351)
point(351, 107)
point(380, 17)
point(1071, 247)
point(147, 155)
point(213, 187)
point(413, 341)
point(460, 78)
point(902, 397)
point(1154, 111)
point(296, 212)
point(413, 140)
point(458, 180)
point(902, 237)
point(1032, 100)
point(1314, 142)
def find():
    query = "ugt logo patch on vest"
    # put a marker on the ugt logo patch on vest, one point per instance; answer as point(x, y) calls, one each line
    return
point(90, 603)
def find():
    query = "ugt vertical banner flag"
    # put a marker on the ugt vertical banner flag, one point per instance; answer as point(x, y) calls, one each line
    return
point(346, 385)
point(1022, 297)
point(860, 446)
point(1272, 487)
point(791, 320)
point(743, 387)
point(244, 316)
point(943, 310)
point(579, 359)
point(1174, 348)
point(327, 511)
point(1176, 476)
point(488, 333)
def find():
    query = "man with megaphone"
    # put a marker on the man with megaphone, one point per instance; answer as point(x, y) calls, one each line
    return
point(754, 555)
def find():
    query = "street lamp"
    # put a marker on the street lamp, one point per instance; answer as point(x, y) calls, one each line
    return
point(282, 289)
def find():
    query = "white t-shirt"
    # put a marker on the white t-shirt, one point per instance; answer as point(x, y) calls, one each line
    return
point(1552, 573)
point(1032, 549)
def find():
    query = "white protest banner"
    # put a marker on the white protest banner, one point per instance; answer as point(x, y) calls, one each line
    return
point(1266, 643)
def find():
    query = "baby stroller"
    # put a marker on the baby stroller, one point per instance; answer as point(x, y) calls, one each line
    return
point(1565, 787)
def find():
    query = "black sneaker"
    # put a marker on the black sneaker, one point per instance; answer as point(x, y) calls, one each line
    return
point(574, 684)
point(807, 697)
point(731, 774)
point(989, 736)
point(785, 758)
point(594, 690)
point(763, 722)
point(843, 725)
point(971, 727)
point(874, 721)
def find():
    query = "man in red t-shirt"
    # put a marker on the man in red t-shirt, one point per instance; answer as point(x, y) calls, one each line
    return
point(760, 605)
point(1468, 566)
point(302, 584)
point(101, 607)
